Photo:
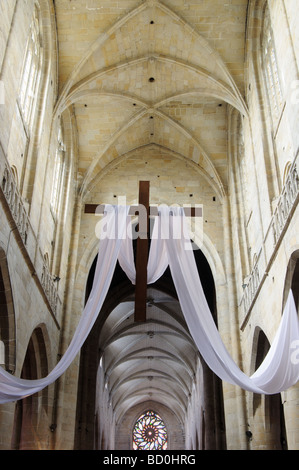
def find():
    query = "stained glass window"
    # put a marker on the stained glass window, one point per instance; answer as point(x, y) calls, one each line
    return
point(149, 432)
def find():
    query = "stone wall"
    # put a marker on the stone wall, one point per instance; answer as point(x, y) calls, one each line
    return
point(28, 231)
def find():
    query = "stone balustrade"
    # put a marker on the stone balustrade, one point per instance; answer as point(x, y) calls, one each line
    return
point(13, 199)
point(285, 204)
point(19, 215)
point(280, 220)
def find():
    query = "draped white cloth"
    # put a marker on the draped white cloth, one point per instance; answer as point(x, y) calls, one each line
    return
point(171, 246)
point(278, 371)
point(13, 388)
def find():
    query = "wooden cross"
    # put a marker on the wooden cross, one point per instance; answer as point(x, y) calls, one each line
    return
point(142, 243)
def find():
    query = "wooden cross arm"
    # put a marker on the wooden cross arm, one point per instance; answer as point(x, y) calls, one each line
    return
point(153, 210)
point(145, 211)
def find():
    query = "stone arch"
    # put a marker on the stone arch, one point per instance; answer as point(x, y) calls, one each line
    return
point(191, 163)
point(198, 44)
point(131, 389)
point(7, 317)
point(91, 79)
point(268, 427)
point(31, 419)
point(133, 137)
point(290, 398)
point(292, 278)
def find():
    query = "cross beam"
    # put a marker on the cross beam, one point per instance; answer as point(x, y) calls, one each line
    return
point(142, 243)
point(142, 256)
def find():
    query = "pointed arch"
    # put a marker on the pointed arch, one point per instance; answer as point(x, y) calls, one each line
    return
point(267, 410)
point(193, 151)
point(28, 433)
point(7, 316)
point(150, 432)
point(203, 46)
point(211, 86)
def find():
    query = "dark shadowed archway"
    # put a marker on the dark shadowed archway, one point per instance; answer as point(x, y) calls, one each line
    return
point(154, 361)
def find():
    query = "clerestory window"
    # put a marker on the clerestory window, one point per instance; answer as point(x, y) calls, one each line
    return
point(270, 68)
point(31, 70)
point(58, 174)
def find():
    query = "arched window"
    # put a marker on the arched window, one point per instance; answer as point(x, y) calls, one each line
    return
point(59, 167)
point(270, 69)
point(31, 69)
point(150, 432)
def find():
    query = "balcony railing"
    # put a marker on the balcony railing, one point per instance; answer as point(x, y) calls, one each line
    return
point(279, 223)
point(18, 212)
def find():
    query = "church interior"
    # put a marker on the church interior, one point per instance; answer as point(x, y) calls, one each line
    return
point(201, 99)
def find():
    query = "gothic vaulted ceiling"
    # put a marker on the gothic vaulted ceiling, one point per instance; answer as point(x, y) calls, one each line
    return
point(135, 74)
point(155, 360)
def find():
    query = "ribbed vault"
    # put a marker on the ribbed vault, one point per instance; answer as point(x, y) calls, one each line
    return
point(148, 75)
point(153, 359)
point(143, 80)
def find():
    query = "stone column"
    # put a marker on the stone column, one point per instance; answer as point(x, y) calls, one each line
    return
point(234, 397)
point(64, 416)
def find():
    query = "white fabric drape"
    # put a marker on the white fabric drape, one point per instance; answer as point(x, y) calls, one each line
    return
point(111, 243)
point(278, 372)
point(171, 246)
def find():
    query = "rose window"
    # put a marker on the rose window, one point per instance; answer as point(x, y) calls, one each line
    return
point(149, 432)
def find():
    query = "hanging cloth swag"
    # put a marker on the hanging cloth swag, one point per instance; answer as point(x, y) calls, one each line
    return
point(171, 246)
